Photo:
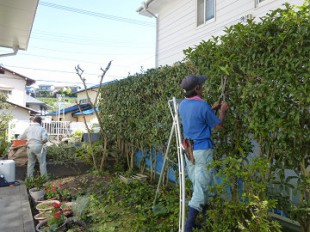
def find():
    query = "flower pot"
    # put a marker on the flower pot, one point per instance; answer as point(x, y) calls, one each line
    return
point(46, 205)
point(42, 216)
point(36, 194)
point(73, 223)
point(42, 224)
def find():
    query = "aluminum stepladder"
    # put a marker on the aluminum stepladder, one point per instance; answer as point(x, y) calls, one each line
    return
point(175, 130)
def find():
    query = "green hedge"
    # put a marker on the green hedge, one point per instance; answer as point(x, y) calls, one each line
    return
point(266, 64)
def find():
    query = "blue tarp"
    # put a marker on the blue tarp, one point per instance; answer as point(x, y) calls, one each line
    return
point(159, 163)
point(86, 112)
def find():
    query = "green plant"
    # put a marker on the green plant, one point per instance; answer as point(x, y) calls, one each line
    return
point(79, 208)
point(56, 191)
point(55, 219)
point(64, 153)
point(108, 210)
point(36, 182)
point(267, 90)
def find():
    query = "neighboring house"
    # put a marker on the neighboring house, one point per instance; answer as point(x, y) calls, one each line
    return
point(46, 88)
point(67, 114)
point(37, 105)
point(92, 92)
point(15, 89)
point(15, 86)
point(73, 114)
point(73, 88)
point(82, 99)
point(185, 23)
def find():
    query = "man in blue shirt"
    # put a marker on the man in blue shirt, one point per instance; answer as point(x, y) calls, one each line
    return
point(198, 119)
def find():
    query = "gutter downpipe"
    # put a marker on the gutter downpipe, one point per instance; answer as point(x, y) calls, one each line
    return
point(15, 50)
point(145, 6)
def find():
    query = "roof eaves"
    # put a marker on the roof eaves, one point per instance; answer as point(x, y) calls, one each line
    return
point(28, 80)
point(23, 107)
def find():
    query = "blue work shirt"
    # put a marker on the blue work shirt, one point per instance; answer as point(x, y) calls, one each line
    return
point(198, 119)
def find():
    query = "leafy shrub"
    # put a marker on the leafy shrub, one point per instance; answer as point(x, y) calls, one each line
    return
point(65, 153)
point(267, 67)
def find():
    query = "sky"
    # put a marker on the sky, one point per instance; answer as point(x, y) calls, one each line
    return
point(67, 33)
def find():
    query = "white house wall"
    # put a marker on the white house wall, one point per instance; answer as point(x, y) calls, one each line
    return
point(19, 113)
point(177, 28)
point(18, 85)
point(66, 117)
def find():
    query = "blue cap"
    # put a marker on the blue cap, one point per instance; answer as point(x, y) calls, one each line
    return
point(190, 82)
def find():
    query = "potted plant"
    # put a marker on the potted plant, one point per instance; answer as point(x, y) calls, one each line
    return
point(57, 192)
point(35, 187)
point(79, 209)
point(56, 221)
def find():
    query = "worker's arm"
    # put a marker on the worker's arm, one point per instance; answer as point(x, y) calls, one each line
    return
point(216, 106)
point(223, 109)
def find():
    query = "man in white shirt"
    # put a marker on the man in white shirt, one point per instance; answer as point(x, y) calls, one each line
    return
point(37, 137)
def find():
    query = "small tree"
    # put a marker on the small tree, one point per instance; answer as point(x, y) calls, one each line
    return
point(80, 72)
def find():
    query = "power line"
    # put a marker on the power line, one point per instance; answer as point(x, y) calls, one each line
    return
point(50, 70)
point(85, 53)
point(96, 14)
point(60, 71)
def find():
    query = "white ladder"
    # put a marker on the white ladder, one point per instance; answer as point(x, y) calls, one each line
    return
point(175, 129)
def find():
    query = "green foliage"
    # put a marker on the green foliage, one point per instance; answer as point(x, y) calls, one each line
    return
point(37, 182)
point(5, 118)
point(242, 203)
point(131, 210)
point(53, 102)
point(267, 67)
point(44, 93)
point(65, 153)
point(79, 208)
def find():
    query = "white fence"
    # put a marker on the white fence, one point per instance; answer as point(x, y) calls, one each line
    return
point(53, 128)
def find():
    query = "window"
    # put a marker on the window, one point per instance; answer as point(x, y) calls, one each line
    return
point(83, 101)
point(205, 11)
point(6, 92)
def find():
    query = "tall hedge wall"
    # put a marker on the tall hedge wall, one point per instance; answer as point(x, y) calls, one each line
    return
point(267, 67)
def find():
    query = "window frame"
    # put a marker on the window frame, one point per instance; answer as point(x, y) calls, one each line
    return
point(259, 3)
point(201, 17)
point(6, 91)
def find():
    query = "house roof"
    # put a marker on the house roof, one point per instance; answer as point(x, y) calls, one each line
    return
point(151, 6)
point(86, 112)
point(16, 17)
point(95, 86)
point(34, 101)
point(23, 107)
point(70, 109)
point(28, 80)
